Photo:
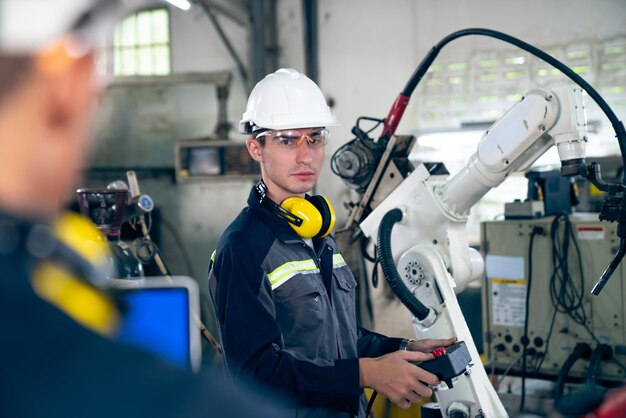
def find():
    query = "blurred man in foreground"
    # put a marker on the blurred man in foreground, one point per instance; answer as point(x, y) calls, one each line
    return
point(57, 357)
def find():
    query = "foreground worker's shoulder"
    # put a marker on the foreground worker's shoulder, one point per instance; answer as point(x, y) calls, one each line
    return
point(215, 397)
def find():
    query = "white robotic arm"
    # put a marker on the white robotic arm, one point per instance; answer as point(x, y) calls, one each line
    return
point(429, 247)
point(541, 119)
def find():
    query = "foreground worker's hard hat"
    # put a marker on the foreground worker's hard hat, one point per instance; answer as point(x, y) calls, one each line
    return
point(286, 99)
point(28, 26)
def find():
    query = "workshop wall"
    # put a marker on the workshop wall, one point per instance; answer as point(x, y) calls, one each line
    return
point(196, 47)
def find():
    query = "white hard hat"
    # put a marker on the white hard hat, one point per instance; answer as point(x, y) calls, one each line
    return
point(27, 26)
point(286, 99)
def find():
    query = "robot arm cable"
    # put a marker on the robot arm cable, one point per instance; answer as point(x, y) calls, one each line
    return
point(385, 256)
point(566, 295)
point(536, 231)
point(419, 73)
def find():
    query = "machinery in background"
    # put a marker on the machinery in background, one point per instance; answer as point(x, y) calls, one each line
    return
point(420, 227)
point(202, 159)
point(590, 198)
point(549, 193)
point(108, 209)
point(358, 162)
point(536, 298)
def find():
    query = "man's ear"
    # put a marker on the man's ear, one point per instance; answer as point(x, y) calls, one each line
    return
point(254, 148)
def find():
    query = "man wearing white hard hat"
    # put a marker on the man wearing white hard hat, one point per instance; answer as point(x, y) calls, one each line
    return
point(283, 293)
point(57, 358)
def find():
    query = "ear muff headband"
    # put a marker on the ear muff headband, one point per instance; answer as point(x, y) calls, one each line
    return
point(261, 190)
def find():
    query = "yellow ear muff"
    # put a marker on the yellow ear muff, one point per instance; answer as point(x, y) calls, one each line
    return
point(316, 212)
point(311, 217)
point(82, 236)
point(328, 213)
point(53, 282)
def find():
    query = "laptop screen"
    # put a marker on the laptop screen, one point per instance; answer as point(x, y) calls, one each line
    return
point(158, 318)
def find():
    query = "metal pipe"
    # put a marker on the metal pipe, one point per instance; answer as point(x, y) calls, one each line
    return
point(257, 12)
point(311, 47)
point(227, 12)
point(242, 70)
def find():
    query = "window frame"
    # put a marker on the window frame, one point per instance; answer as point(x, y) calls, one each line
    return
point(112, 48)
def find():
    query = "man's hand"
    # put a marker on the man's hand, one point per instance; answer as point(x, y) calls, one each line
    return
point(427, 346)
point(396, 379)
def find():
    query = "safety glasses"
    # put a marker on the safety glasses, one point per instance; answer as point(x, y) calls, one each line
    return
point(292, 138)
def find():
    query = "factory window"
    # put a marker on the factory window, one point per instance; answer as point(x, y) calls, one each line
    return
point(141, 44)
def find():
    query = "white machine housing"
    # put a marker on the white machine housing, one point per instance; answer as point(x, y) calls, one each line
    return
point(430, 247)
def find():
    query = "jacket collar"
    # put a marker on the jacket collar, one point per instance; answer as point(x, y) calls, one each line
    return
point(278, 225)
point(14, 231)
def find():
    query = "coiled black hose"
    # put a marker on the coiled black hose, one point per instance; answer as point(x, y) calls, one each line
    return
point(581, 351)
point(383, 248)
point(602, 352)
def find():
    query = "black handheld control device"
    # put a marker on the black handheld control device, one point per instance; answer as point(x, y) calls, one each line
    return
point(449, 362)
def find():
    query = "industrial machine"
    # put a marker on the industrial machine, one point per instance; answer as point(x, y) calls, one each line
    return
point(552, 262)
point(202, 159)
point(123, 202)
point(108, 209)
point(420, 226)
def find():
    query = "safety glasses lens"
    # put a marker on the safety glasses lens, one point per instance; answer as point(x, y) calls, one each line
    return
point(294, 137)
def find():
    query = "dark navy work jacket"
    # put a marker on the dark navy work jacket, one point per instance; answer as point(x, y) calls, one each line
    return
point(286, 314)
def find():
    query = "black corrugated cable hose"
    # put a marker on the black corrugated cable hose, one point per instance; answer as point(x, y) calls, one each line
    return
point(581, 351)
point(602, 352)
point(383, 248)
point(591, 396)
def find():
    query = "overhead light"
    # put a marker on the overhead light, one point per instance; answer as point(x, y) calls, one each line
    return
point(181, 4)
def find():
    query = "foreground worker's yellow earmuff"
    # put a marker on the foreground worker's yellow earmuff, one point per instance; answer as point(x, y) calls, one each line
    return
point(310, 217)
point(80, 251)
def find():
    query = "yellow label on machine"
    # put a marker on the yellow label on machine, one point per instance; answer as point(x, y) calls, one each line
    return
point(508, 281)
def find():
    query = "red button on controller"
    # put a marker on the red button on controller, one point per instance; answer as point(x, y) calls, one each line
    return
point(438, 352)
